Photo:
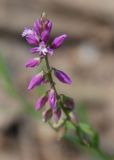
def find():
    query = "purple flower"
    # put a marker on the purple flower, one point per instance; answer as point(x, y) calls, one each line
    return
point(52, 98)
point(41, 102)
point(56, 114)
point(49, 26)
point(27, 31)
point(37, 26)
point(42, 50)
point(50, 51)
point(63, 77)
point(42, 25)
point(45, 36)
point(33, 62)
point(57, 42)
point(47, 114)
point(32, 39)
point(36, 80)
point(30, 36)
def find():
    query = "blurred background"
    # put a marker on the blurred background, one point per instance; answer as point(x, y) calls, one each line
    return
point(87, 56)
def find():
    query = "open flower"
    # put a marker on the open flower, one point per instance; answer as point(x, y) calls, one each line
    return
point(42, 50)
point(27, 31)
point(31, 36)
point(36, 80)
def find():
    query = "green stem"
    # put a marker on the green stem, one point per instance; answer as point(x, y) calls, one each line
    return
point(52, 83)
point(102, 154)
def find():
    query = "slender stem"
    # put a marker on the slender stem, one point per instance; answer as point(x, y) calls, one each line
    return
point(52, 83)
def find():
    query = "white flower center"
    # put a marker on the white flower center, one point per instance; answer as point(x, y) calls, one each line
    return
point(43, 49)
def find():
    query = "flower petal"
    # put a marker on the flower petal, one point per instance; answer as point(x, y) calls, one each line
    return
point(63, 77)
point(45, 36)
point(49, 26)
point(31, 36)
point(33, 62)
point(57, 42)
point(56, 114)
point(36, 80)
point(37, 26)
point(27, 31)
point(41, 102)
point(52, 98)
point(41, 50)
point(47, 114)
point(32, 39)
point(35, 50)
point(50, 51)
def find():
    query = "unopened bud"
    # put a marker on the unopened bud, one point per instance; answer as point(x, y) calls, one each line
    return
point(44, 16)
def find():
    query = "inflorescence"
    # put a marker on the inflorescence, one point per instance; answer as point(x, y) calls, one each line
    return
point(61, 106)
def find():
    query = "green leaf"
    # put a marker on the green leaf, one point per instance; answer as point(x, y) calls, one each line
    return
point(86, 128)
point(95, 141)
point(69, 125)
point(91, 136)
point(72, 139)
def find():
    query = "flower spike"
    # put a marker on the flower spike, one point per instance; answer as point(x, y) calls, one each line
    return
point(39, 36)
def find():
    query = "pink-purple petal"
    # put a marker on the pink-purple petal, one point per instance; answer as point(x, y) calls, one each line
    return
point(52, 98)
point(37, 26)
point(34, 50)
point(27, 31)
point(57, 42)
point(61, 76)
point(50, 51)
point(32, 39)
point(56, 114)
point(33, 62)
point(47, 114)
point(45, 36)
point(41, 102)
point(49, 26)
point(36, 80)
